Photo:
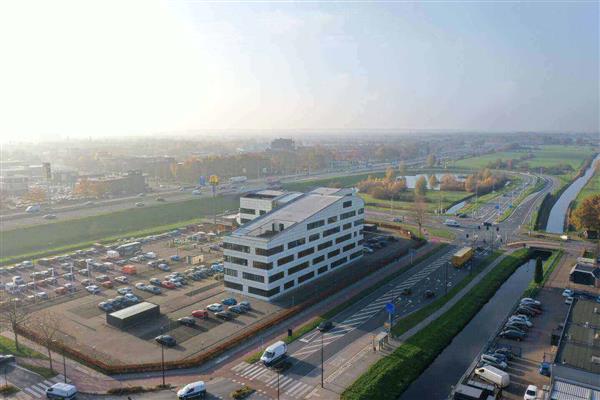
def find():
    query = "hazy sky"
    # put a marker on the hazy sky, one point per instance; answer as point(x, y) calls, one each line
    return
point(86, 68)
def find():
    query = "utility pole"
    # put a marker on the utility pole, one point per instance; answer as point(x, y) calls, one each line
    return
point(322, 371)
point(162, 352)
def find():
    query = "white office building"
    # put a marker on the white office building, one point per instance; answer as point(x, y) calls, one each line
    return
point(299, 241)
point(255, 204)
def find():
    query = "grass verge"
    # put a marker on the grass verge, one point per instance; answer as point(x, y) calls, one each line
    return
point(390, 377)
point(8, 389)
point(313, 323)
point(46, 372)
point(548, 266)
point(7, 346)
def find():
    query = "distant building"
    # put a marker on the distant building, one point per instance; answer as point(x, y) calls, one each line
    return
point(282, 144)
point(295, 243)
point(14, 185)
point(132, 182)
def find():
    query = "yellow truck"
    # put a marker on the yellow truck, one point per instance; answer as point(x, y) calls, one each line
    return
point(462, 256)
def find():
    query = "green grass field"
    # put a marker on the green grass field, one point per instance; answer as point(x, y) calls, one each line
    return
point(76, 233)
point(432, 198)
point(546, 156)
point(592, 187)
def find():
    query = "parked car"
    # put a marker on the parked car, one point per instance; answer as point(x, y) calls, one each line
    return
point(155, 281)
point(215, 307)
point(325, 326)
point(236, 309)
point(200, 314)
point(166, 340)
point(226, 315)
point(105, 306)
point(520, 325)
point(569, 300)
point(512, 334)
point(229, 301)
point(526, 311)
point(168, 284)
point(187, 321)
point(428, 294)
point(530, 393)
point(153, 289)
point(93, 289)
point(521, 318)
point(164, 267)
point(107, 284)
point(192, 391)
point(121, 279)
point(245, 304)
point(493, 361)
point(568, 293)
point(529, 300)
point(544, 368)
point(141, 286)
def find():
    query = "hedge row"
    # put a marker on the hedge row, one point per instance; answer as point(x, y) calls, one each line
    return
point(390, 377)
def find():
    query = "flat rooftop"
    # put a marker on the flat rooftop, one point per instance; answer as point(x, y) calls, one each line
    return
point(132, 310)
point(265, 194)
point(580, 345)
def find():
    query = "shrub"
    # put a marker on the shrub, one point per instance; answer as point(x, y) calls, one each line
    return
point(242, 392)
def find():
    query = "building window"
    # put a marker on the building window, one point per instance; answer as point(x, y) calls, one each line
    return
point(347, 226)
point(355, 254)
point(331, 231)
point(359, 222)
point(253, 277)
point(361, 211)
point(236, 260)
point(313, 237)
point(269, 252)
point(247, 211)
point(285, 260)
point(322, 270)
point(288, 284)
point(343, 238)
point(324, 245)
point(331, 220)
point(236, 247)
point(261, 265)
point(244, 220)
point(348, 204)
point(317, 260)
point(316, 224)
point(347, 215)
point(262, 212)
point(296, 243)
point(233, 285)
point(339, 262)
point(297, 268)
point(262, 292)
point(276, 277)
point(349, 246)
point(361, 241)
point(306, 277)
point(306, 252)
point(230, 272)
point(333, 253)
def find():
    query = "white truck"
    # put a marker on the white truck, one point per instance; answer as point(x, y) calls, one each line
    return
point(493, 375)
point(274, 352)
point(62, 391)
point(238, 179)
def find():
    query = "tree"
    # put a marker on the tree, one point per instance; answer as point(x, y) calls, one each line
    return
point(402, 168)
point(35, 195)
point(431, 160)
point(12, 315)
point(47, 324)
point(539, 271)
point(420, 210)
point(420, 186)
point(587, 216)
point(433, 181)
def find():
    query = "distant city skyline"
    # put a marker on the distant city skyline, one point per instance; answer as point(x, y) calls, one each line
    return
point(94, 69)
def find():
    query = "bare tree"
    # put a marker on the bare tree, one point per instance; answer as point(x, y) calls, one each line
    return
point(12, 315)
point(47, 325)
point(420, 209)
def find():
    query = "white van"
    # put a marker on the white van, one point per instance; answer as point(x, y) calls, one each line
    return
point(62, 391)
point(274, 352)
point(493, 375)
point(192, 390)
point(33, 209)
point(451, 222)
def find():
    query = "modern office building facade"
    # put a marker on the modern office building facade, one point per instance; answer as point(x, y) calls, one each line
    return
point(298, 242)
point(255, 204)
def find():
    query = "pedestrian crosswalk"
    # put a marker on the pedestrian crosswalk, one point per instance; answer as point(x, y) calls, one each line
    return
point(288, 386)
point(314, 340)
point(38, 390)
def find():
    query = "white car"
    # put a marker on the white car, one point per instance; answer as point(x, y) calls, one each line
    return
point(522, 320)
point(569, 300)
point(529, 300)
point(568, 293)
point(215, 307)
point(530, 393)
point(93, 289)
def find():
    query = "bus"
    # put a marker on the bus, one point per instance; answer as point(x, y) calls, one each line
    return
point(129, 249)
point(462, 256)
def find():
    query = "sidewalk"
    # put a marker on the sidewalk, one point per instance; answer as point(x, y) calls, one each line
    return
point(342, 376)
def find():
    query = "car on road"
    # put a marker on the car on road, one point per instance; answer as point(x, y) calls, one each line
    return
point(187, 321)
point(139, 204)
point(50, 216)
point(200, 314)
point(229, 301)
point(530, 393)
point(160, 199)
point(166, 340)
point(406, 292)
point(93, 289)
point(568, 293)
point(428, 294)
point(368, 250)
point(512, 335)
point(226, 315)
point(325, 326)
point(215, 307)
point(194, 390)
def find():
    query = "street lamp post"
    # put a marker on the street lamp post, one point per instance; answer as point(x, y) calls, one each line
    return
point(162, 362)
point(446, 279)
point(322, 371)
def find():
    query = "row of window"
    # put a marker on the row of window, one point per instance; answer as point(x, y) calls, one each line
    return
point(253, 290)
point(236, 247)
point(236, 260)
point(331, 220)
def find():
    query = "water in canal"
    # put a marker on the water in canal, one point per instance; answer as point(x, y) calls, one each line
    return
point(456, 208)
point(435, 383)
point(556, 220)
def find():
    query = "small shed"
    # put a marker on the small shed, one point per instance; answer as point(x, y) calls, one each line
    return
point(585, 274)
point(133, 315)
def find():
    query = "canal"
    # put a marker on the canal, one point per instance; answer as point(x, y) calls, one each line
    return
point(436, 382)
point(556, 220)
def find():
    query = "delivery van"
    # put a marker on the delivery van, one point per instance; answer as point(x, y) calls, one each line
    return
point(493, 375)
point(274, 352)
point(194, 390)
point(62, 391)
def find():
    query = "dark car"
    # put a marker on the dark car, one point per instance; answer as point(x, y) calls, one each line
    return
point(545, 368)
point(325, 326)
point(187, 321)
point(230, 301)
point(406, 292)
point(512, 334)
point(224, 315)
point(428, 294)
point(526, 311)
point(166, 340)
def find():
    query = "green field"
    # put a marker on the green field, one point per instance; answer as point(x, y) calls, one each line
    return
point(546, 156)
point(592, 187)
point(33, 241)
point(432, 198)
point(337, 181)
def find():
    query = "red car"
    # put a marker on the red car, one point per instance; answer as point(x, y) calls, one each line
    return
point(168, 285)
point(107, 284)
point(200, 314)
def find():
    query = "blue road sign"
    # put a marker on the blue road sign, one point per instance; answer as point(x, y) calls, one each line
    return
point(390, 308)
point(497, 206)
